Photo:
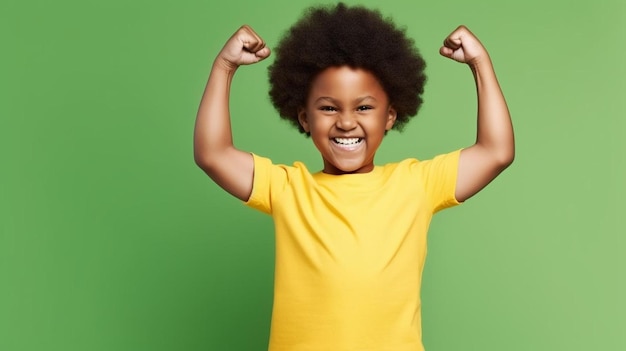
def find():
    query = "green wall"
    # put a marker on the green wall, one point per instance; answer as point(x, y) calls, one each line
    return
point(112, 239)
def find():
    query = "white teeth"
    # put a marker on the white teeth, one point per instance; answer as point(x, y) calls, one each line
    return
point(347, 141)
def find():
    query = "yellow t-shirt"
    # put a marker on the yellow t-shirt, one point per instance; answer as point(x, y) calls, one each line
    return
point(350, 250)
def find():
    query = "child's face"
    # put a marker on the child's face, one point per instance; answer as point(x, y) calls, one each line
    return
point(347, 114)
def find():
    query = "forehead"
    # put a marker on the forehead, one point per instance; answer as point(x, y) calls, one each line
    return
point(345, 81)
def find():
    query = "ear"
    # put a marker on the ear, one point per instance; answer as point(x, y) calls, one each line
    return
point(391, 118)
point(302, 118)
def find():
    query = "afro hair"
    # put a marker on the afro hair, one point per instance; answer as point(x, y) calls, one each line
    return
point(352, 36)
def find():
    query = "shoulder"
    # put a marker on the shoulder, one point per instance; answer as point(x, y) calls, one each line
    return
point(271, 182)
point(266, 171)
point(440, 160)
point(265, 163)
point(424, 171)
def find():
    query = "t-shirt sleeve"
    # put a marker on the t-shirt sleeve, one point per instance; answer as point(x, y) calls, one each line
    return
point(439, 177)
point(268, 180)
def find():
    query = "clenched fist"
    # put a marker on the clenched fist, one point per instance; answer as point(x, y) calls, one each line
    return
point(463, 46)
point(243, 48)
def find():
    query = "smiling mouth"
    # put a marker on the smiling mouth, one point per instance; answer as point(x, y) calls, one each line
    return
point(347, 141)
point(348, 144)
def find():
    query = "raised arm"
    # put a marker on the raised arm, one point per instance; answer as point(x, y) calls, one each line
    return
point(494, 149)
point(214, 152)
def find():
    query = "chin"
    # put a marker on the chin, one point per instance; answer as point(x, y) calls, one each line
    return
point(347, 169)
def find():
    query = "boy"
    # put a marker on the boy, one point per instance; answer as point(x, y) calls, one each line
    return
point(350, 239)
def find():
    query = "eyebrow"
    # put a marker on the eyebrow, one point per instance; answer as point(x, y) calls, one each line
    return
point(357, 100)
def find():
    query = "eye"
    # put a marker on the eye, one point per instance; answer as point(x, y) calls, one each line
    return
point(364, 108)
point(327, 108)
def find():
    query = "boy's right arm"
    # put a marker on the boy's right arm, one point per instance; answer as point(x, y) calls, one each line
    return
point(214, 152)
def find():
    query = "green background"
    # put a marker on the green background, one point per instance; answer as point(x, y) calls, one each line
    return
point(112, 239)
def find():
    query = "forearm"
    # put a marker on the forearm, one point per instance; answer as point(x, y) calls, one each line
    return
point(494, 149)
point(494, 130)
point(212, 133)
point(213, 147)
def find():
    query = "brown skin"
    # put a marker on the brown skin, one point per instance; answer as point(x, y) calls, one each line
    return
point(494, 149)
point(347, 103)
point(360, 111)
point(214, 152)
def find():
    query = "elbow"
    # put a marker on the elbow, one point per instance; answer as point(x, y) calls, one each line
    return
point(203, 154)
point(505, 159)
point(499, 156)
point(204, 161)
point(206, 165)
point(211, 160)
point(200, 161)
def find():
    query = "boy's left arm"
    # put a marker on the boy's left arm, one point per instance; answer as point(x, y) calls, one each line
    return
point(494, 149)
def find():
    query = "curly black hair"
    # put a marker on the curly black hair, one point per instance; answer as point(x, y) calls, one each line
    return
point(354, 36)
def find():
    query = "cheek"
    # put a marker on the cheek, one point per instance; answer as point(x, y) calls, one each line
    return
point(320, 123)
point(317, 130)
point(378, 124)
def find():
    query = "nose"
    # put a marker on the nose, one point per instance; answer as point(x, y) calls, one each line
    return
point(346, 121)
